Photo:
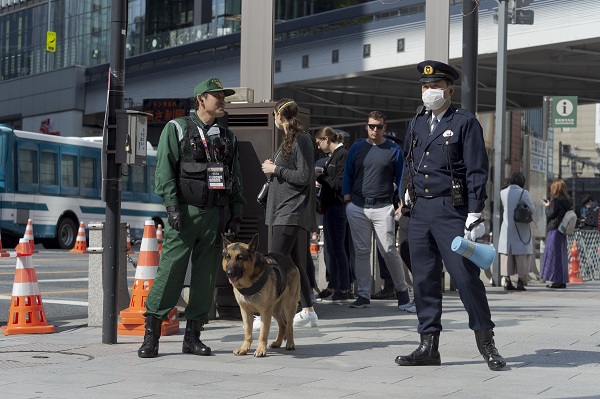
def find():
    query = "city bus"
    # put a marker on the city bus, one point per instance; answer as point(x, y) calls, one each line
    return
point(56, 182)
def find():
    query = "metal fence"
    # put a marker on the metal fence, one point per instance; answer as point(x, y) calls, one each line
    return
point(588, 246)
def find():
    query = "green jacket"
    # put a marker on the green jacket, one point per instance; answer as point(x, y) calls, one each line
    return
point(167, 163)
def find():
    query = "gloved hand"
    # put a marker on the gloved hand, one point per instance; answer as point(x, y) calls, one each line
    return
point(175, 217)
point(474, 227)
point(232, 228)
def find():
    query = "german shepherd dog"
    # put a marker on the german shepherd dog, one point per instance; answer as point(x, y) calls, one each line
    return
point(268, 285)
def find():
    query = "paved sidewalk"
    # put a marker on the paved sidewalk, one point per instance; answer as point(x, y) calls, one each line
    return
point(550, 339)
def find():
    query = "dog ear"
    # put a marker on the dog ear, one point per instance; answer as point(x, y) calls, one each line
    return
point(253, 244)
point(226, 242)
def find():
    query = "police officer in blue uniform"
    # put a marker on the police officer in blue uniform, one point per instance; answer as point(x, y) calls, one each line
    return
point(448, 166)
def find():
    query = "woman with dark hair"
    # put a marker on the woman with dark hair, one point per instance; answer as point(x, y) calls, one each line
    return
point(515, 245)
point(555, 265)
point(290, 208)
point(334, 212)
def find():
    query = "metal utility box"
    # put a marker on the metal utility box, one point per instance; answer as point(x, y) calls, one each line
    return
point(254, 127)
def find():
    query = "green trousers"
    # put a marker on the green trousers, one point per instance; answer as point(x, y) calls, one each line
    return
point(197, 237)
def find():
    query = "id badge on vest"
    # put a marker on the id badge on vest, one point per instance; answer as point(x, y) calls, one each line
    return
point(216, 176)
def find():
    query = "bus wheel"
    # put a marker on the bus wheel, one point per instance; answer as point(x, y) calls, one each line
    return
point(66, 233)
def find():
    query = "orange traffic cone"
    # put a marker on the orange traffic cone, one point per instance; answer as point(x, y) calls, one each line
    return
point(29, 236)
point(132, 319)
point(3, 253)
point(314, 244)
point(80, 243)
point(574, 265)
point(129, 250)
point(159, 238)
point(27, 314)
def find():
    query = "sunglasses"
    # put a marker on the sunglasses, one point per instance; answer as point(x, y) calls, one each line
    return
point(374, 127)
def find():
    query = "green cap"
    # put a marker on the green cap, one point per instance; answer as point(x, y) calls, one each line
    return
point(210, 85)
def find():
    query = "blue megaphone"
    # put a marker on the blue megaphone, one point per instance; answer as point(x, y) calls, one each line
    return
point(482, 255)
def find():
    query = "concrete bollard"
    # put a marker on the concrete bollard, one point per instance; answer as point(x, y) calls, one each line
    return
point(95, 284)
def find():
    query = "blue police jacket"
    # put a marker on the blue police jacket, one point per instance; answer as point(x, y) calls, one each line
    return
point(456, 144)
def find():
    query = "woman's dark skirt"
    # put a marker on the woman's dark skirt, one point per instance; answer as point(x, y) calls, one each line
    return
point(555, 263)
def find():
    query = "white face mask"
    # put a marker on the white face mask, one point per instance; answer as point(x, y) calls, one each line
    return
point(433, 98)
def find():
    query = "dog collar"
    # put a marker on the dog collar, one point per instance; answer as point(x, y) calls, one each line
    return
point(253, 289)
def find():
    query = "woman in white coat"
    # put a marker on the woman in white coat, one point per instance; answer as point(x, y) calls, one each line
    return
point(515, 244)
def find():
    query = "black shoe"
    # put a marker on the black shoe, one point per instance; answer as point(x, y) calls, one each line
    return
point(191, 339)
point(151, 336)
point(508, 285)
point(324, 294)
point(487, 348)
point(521, 286)
point(340, 296)
point(385, 293)
point(361, 302)
point(426, 354)
point(556, 285)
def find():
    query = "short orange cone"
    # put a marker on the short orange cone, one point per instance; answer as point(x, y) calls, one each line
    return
point(159, 238)
point(27, 314)
point(3, 253)
point(129, 250)
point(132, 319)
point(574, 276)
point(80, 243)
point(29, 236)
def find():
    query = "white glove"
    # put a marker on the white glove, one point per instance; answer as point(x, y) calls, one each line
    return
point(407, 200)
point(478, 230)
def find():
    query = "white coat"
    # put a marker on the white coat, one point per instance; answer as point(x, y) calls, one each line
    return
point(509, 242)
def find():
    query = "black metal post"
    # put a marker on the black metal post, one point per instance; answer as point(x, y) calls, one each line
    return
point(469, 65)
point(112, 182)
point(560, 155)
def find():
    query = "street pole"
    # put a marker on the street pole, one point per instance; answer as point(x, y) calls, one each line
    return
point(499, 128)
point(112, 181)
point(469, 66)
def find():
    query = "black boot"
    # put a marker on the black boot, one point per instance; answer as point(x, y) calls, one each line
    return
point(425, 355)
point(191, 339)
point(487, 348)
point(150, 346)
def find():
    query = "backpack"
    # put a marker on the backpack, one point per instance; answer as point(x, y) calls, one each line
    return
point(568, 222)
point(522, 212)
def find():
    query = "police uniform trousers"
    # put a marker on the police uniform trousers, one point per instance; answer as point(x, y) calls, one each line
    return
point(434, 223)
point(197, 237)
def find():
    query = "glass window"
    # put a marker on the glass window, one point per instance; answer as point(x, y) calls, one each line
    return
point(139, 179)
point(28, 167)
point(68, 167)
point(48, 171)
point(152, 177)
point(88, 172)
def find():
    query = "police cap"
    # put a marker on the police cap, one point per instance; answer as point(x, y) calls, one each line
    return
point(211, 85)
point(432, 71)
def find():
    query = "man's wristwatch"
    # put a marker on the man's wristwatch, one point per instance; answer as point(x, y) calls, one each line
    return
point(347, 201)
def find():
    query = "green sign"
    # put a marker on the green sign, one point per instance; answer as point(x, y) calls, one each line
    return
point(564, 111)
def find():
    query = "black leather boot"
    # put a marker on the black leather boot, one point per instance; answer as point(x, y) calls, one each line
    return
point(487, 348)
point(191, 339)
point(425, 355)
point(150, 346)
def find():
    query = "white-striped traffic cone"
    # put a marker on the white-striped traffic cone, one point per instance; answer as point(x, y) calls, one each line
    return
point(27, 314)
point(132, 319)
point(29, 236)
point(80, 242)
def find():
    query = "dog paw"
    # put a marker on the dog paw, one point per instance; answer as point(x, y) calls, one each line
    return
point(290, 347)
point(240, 352)
point(260, 352)
point(275, 344)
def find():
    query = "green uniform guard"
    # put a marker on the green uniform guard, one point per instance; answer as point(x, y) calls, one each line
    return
point(198, 176)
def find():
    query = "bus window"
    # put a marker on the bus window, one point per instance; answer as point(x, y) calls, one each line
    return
point(88, 173)
point(68, 167)
point(49, 169)
point(139, 180)
point(28, 167)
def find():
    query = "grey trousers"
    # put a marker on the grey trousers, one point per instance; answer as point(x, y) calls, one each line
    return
point(363, 223)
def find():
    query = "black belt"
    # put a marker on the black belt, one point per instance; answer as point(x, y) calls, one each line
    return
point(370, 201)
point(432, 196)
